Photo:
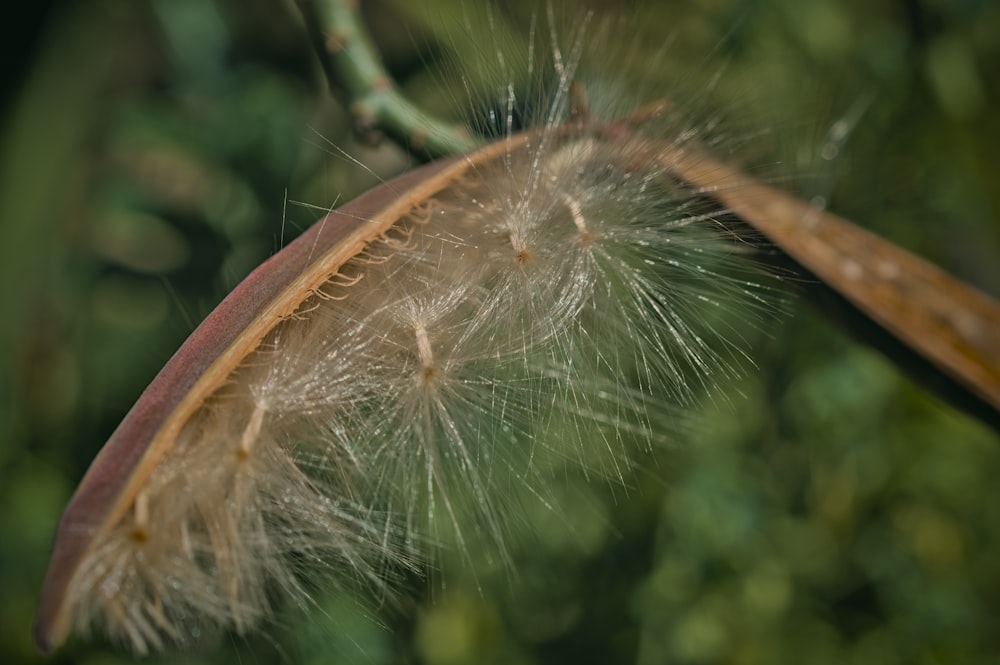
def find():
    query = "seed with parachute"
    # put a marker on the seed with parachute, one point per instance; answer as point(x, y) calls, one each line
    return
point(395, 369)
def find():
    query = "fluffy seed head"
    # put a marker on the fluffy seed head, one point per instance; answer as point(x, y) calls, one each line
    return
point(395, 376)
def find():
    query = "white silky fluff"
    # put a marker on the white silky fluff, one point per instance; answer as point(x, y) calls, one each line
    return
point(573, 287)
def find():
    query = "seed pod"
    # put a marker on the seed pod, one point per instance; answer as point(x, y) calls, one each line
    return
point(394, 372)
point(944, 332)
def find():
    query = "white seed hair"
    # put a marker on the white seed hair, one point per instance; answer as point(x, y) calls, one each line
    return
point(563, 287)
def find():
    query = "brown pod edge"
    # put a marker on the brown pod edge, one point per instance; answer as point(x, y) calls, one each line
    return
point(942, 330)
point(233, 330)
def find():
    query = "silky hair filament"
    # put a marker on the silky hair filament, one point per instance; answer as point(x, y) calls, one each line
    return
point(414, 363)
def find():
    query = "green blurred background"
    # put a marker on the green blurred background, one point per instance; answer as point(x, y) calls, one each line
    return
point(830, 512)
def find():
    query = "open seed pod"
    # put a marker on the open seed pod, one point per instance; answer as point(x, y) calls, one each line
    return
point(397, 372)
point(399, 366)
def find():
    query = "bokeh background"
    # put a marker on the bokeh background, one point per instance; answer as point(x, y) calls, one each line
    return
point(827, 511)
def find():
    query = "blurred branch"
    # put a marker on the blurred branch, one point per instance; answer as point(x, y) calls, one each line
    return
point(353, 64)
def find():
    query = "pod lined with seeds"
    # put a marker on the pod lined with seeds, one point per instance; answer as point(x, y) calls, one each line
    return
point(395, 370)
